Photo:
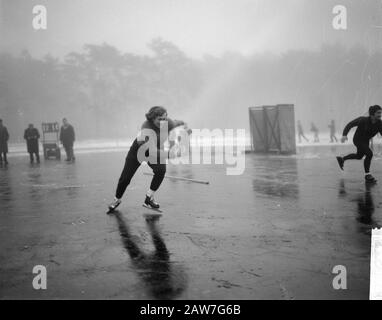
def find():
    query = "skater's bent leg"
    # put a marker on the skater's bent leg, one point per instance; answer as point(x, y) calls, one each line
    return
point(131, 166)
point(361, 152)
point(159, 173)
point(367, 161)
point(353, 156)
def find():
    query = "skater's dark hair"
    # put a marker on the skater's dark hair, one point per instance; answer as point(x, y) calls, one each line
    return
point(374, 109)
point(155, 112)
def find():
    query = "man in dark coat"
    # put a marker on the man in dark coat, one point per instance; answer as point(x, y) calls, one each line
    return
point(4, 137)
point(67, 138)
point(31, 135)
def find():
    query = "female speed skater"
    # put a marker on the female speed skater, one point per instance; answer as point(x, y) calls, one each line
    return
point(367, 128)
point(156, 119)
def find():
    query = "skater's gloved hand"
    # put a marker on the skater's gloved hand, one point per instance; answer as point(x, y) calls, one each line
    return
point(344, 138)
point(189, 131)
point(174, 152)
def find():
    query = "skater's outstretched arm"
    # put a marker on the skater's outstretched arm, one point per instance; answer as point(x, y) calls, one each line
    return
point(172, 124)
point(350, 125)
point(178, 123)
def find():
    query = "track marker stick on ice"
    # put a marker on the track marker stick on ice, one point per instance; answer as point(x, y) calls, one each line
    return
point(179, 178)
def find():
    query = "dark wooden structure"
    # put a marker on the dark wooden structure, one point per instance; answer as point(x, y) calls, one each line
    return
point(273, 129)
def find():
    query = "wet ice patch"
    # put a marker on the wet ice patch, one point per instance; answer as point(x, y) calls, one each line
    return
point(55, 186)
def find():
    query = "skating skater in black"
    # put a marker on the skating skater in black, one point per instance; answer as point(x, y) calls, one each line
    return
point(156, 119)
point(31, 135)
point(367, 128)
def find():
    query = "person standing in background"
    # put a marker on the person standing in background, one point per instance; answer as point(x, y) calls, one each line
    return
point(314, 129)
point(31, 135)
point(300, 132)
point(332, 127)
point(4, 137)
point(67, 138)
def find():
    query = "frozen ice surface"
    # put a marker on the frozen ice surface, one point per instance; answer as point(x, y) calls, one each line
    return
point(275, 232)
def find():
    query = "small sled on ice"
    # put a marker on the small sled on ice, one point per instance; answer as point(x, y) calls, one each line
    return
point(50, 140)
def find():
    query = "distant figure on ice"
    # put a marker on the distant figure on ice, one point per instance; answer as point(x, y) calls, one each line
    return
point(4, 137)
point(67, 137)
point(300, 132)
point(31, 135)
point(332, 128)
point(156, 122)
point(367, 128)
point(314, 129)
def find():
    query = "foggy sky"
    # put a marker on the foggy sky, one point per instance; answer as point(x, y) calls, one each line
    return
point(198, 27)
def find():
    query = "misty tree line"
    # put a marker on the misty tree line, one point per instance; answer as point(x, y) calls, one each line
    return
point(105, 93)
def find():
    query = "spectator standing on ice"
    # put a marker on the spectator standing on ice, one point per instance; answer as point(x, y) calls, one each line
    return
point(4, 137)
point(31, 135)
point(314, 129)
point(67, 138)
point(300, 132)
point(332, 128)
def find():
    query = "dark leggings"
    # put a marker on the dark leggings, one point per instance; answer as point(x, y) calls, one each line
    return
point(3, 156)
point(131, 166)
point(36, 155)
point(69, 151)
point(363, 149)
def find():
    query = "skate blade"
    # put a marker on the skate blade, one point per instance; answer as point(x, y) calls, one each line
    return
point(112, 209)
point(339, 164)
point(153, 209)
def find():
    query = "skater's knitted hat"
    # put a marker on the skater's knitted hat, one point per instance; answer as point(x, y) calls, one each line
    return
point(155, 112)
point(374, 109)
